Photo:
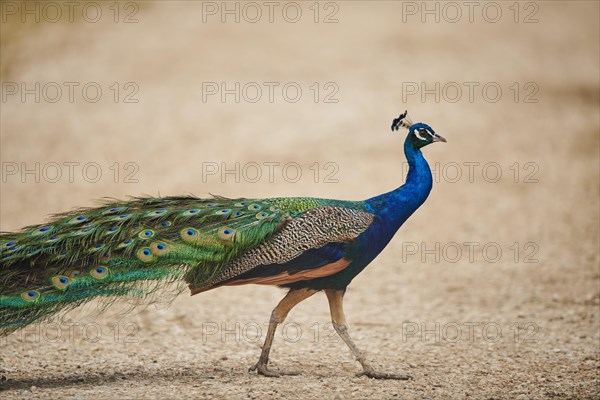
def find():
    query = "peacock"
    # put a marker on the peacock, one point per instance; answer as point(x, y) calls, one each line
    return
point(134, 250)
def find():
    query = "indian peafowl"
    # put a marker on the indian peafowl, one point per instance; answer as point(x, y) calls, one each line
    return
point(134, 249)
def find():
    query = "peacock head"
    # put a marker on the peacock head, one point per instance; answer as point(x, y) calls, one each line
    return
point(419, 134)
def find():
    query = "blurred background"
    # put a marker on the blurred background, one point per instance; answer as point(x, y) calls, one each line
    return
point(254, 99)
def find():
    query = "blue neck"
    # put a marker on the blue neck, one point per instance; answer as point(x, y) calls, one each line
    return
point(391, 210)
point(396, 206)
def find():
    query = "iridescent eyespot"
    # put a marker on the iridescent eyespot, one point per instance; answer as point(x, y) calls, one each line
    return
point(253, 207)
point(121, 217)
point(273, 208)
point(159, 248)
point(52, 239)
point(166, 224)
point(61, 282)
point(97, 247)
point(224, 211)
point(261, 215)
point(42, 230)
point(237, 213)
point(211, 204)
point(189, 235)
point(10, 244)
point(190, 212)
point(146, 234)
point(77, 220)
point(145, 254)
point(74, 274)
point(99, 272)
point(30, 295)
point(112, 230)
point(226, 233)
point(124, 244)
point(113, 210)
point(156, 213)
point(240, 204)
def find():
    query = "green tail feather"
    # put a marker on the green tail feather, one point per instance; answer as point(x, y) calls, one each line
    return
point(120, 249)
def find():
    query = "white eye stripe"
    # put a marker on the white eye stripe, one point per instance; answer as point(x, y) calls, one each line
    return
point(418, 134)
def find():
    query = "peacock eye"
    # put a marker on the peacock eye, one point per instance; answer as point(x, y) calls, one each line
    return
point(30, 295)
point(159, 249)
point(145, 234)
point(261, 215)
point(145, 255)
point(113, 210)
point(61, 282)
point(99, 272)
point(226, 233)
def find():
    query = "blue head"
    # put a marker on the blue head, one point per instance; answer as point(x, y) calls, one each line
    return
point(419, 134)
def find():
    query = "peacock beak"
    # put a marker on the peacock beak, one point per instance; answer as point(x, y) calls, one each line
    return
point(438, 138)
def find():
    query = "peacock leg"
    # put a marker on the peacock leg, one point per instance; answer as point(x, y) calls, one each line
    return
point(278, 315)
point(336, 307)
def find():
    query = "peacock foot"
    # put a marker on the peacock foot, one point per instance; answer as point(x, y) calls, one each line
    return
point(368, 372)
point(261, 369)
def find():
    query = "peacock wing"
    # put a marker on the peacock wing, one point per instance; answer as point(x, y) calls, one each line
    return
point(301, 249)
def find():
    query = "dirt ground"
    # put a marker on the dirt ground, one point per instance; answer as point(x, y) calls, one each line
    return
point(489, 291)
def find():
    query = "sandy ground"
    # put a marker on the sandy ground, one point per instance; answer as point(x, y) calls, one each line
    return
point(523, 323)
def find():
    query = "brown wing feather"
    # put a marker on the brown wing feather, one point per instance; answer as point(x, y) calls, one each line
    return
point(311, 230)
